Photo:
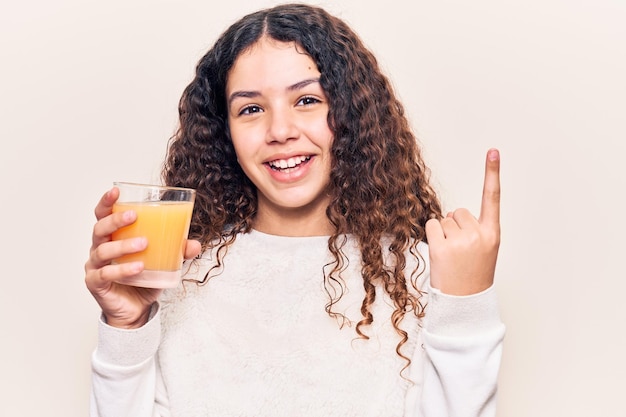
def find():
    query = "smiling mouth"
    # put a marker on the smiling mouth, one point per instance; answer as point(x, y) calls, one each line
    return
point(287, 165)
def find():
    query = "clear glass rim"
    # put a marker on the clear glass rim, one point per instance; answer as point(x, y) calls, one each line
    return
point(152, 186)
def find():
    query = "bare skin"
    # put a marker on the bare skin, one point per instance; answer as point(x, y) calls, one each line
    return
point(278, 114)
point(464, 249)
point(463, 253)
point(122, 306)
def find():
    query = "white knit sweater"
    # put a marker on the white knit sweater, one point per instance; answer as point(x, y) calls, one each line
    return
point(256, 341)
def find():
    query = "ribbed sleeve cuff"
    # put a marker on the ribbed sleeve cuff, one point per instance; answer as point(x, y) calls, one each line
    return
point(458, 316)
point(127, 347)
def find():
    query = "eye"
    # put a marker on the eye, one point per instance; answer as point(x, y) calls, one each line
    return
point(250, 109)
point(307, 101)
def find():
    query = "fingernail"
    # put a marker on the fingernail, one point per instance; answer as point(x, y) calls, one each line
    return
point(494, 155)
point(130, 215)
point(136, 267)
point(140, 242)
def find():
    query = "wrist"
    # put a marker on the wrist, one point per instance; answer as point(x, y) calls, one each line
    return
point(129, 346)
point(128, 324)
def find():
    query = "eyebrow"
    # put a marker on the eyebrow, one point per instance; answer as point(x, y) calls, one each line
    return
point(250, 94)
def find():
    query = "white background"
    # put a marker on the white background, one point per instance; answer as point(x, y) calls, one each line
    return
point(89, 93)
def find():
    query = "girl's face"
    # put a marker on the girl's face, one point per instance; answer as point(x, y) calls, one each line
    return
point(277, 114)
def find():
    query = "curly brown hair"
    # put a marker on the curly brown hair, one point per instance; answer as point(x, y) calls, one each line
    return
point(379, 184)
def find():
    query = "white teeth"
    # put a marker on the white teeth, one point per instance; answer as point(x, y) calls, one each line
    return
point(288, 163)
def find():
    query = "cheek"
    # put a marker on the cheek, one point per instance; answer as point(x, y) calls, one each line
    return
point(246, 153)
point(246, 134)
point(320, 132)
point(327, 142)
point(242, 156)
point(240, 141)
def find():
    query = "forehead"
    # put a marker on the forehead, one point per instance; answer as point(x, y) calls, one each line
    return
point(271, 63)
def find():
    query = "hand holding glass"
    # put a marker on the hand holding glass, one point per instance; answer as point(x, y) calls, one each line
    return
point(163, 217)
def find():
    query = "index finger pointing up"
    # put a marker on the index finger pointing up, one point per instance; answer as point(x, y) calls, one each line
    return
point(490, 208)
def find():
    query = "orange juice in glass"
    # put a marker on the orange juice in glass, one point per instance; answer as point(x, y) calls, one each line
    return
point(163, 217)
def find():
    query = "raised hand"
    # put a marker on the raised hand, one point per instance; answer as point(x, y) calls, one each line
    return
point(464, 249)
point(123, 306)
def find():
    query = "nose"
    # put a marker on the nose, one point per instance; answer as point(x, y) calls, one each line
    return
point(282, 126)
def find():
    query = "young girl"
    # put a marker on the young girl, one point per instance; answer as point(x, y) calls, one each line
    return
point(310, 289)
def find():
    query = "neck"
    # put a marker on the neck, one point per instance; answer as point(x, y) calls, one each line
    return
point(296, 222)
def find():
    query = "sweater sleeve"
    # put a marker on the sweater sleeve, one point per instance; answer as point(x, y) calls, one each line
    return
point(126, 380)
point(462, 347)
